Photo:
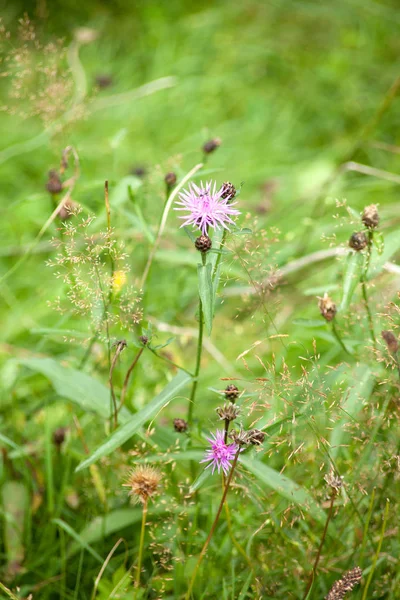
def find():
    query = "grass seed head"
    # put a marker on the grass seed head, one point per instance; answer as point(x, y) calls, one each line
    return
point(344, 585)
point(143, 483)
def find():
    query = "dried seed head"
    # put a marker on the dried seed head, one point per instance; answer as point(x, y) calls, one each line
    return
point(231, 392)
point(370, 216)
point(139, 171)
point(334, 481)
point(170, 179)
point(240, 437)
point(256, 437)
point(203, 243)
point(54, 183)
point(228, 412)
point(391, 341)
point(327, 308)
point(59, 436)
point(180, 425)
point(358, 241)
point(144, 340)
point(67, 210)
point(228, 190)
point(344, 585)
point(211, 145)
point(143, 483)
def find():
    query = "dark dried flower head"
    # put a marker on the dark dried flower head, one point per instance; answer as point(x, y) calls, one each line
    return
point(391, 341)
point(67, 210)
point(54, 183)
point(344, 585)
point(211, 145)
point(59, 436)
point(358, 241)
point(143, 483)
point(180, 425)
point(327, 308)
point(370, 216)
point(203, 243)
point(170, 179)
point(139, 171)
point(231, 392)
point(334, 481)
point(228, 412)
point(228, 190)
point(240, 437)
point(144, 340)
point(256, 437)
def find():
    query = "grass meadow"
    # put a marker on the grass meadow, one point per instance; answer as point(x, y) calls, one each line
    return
point(132, 350)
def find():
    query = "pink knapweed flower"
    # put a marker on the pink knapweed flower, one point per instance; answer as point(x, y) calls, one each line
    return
point(206, 207)
point(220, 454)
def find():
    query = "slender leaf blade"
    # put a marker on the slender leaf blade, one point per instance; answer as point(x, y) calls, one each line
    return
point(126, 431)
point(352, 276)
point(206, 293)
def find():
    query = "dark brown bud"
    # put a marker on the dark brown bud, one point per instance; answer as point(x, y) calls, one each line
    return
point(391, 341)
point(211, 145)
point(104, 81)
point(54, 184)
point(139, 171)
point(144, 340)
point(170, 179)
point(327, 308)
point(203, 243)
point(228, 190)
point(66, 211)
point(240, 437)
point(59, 436)
point(370, 216)
point(358, 241)
point(180, 425)
point(256, 437)
point(344, 585)
point(231, 392)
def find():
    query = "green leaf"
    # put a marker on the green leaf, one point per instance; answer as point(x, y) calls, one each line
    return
point(192, 237)
point(200, 480)
point(124, 190)
point(284, 486)
point(80, 388)
point(126, 431)
point(81, 542)
point(243, 231)
point(309, 322)
point(392, 246)
point(15, 503)
point(361, 381)
point(352, 276)
point(206, 293)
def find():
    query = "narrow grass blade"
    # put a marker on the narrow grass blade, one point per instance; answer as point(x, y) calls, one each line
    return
point(352, 276)
point(81, 542)
point(126, 431)
point(206, 294)
point(284, 486)
point(15, 501)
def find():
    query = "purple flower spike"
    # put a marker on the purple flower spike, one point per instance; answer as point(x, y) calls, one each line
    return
point(220, 455)
point(206, 207)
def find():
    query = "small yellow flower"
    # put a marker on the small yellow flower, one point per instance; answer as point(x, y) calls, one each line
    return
point(118, 281)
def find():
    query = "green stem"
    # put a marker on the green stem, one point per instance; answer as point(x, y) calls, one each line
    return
point(141, 545)
point(198, 363)
point(339, 339)
point(378, 550)
point(364, 288)
point(213, 526)
point(221, 246)
point(314, 570)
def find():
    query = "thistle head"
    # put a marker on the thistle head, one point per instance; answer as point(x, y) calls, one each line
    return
point(143, 483)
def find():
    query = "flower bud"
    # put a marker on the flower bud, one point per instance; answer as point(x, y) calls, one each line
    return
point(327, 308)
point(391, 341)
point(256, 437)
point(180, 425)
point(370, 216)
point(358, 241)
point(231, 392)
point(228, 190)
point(203, 243)
point(54, 184)
point(170, 179)
point(211, 145)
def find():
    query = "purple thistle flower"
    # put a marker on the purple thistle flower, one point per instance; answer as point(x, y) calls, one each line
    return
point(220, 455)
point(206, 207)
